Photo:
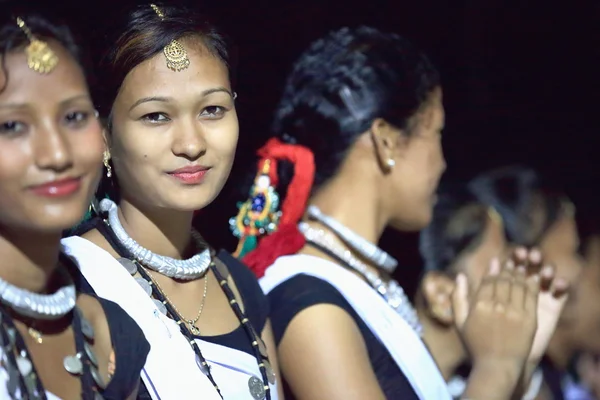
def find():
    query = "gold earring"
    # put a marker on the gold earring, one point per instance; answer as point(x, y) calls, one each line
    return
point(106, 160)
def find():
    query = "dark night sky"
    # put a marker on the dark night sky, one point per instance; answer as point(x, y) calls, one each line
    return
point(520, 78)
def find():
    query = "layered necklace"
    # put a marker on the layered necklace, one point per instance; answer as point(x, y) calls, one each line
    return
point(390, 290)
point(23, 379)
point(134, 258)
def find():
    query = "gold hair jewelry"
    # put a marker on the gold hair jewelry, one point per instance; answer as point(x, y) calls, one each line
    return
point(105, 161)
point(40, 56)
point(177, 58)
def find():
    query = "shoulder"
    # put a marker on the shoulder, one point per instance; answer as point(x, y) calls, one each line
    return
point(255, 302)
point(130, 347)
point(298, 294)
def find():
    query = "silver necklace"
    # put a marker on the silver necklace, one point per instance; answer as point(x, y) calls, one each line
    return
point(362, 246)
point(36, 305)
point(391, 291)
point(190, 269)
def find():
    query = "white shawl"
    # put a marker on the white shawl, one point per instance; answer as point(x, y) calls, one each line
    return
point(401, 341)
point(171, 371)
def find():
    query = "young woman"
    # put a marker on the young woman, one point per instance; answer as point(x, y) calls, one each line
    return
point(463, 237)
point(360, 120)
point(55, 343)
point(541, 217)
point(172, 134)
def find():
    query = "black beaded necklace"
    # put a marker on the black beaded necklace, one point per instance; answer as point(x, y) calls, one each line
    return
point(23, 378)
point(259, 389)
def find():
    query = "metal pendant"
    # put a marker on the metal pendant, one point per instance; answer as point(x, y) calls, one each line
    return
point(73, 365)
point(98, 378)
point(31, 384)
point(24, 365)
point(257, 388)
point(144, 285)
point(12, 338)
point(36, 335)
point(270, 373)
point(86, 328)
point(204, 367)
point(128, 265)
point(89, 352)
point(194, 329)
point(161, 307)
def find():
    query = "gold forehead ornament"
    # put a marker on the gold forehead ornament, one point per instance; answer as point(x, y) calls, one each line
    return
point(177, 58)
point(40, 56)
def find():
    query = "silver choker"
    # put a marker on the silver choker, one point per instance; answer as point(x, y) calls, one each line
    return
point(391, 291)
point(190, 269)
point(359, 244)
point(38, 306)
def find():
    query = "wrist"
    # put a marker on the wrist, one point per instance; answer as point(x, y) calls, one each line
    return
point(499, 377)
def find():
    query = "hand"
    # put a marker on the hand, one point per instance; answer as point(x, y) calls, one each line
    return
point(551, 298)
point(499, 323)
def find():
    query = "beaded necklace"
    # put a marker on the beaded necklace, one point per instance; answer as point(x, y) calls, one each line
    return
point(258, 388)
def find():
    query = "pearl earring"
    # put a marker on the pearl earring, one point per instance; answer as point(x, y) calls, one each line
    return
point(390, 163)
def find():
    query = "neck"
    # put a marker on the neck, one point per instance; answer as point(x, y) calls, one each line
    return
point(29, 259)
point(162, 231)
point(443, 344)
point(361, 214)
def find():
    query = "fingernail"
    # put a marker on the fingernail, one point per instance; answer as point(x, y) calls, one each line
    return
point(535, 256)
point(521, 252)
point(494, 266)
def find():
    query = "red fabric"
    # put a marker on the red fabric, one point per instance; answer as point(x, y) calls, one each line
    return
point(287, 239)
point(304, 173)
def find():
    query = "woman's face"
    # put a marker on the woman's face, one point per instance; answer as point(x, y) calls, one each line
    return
point(50, 145)
point(420, 167)
point(174, 133)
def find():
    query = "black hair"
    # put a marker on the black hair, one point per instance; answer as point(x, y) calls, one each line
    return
point(458, 224)
point(528, 205)
point(136, 35)
point(385, 76)
point(12, 37)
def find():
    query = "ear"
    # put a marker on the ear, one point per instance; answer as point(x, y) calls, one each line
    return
point(387, 141)
point(437, 290)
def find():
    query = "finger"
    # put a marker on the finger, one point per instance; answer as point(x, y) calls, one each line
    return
point(534, 261)
point(460, 300)
point(495, 267)
point(503, 286)
point(547, 275)
point(560, 287)
point(533, 290)
point(519, 289)
point(519, 255)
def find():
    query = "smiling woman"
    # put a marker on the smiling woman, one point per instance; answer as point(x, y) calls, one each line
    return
point(55, 344)
point(172, 134)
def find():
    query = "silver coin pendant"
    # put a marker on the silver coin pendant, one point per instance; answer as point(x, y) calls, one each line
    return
point(257, 388)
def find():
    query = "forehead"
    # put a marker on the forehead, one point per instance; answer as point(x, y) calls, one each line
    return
point(24, 86)
point(152, 77)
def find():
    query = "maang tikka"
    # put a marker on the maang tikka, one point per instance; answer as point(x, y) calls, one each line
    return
point(40, 56)
point(177, 58)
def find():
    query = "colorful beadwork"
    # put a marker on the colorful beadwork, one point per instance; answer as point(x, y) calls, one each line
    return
point(258, 215)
